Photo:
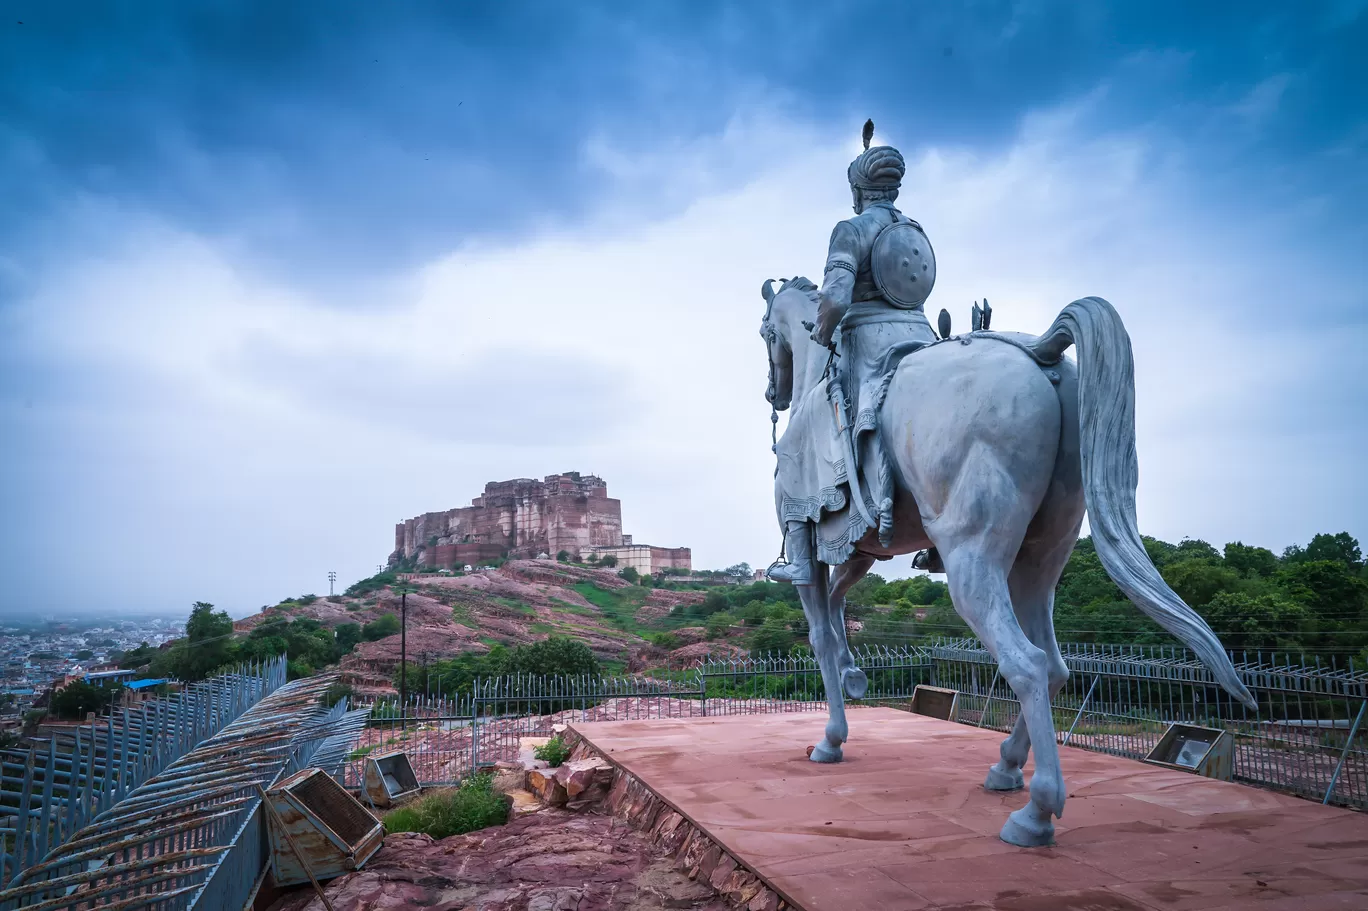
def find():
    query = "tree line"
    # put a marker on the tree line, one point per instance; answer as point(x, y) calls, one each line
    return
point(1311, 598)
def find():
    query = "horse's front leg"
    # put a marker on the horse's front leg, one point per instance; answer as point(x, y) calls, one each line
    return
point(853, 680)
point(816, 605)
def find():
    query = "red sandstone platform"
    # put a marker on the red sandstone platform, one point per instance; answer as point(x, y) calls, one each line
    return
point(904, 822)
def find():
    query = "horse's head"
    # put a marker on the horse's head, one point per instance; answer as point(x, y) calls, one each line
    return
point(781, 308)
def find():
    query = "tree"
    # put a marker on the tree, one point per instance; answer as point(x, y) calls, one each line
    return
point(715, 602)
point(553, 656)
point(770, 638)
point(207, 646)
point(752, 613)
point(1250, 562)
point(1263, 621)
point(1195, 549)
point(719, 624)
point(630, 574)
point(75, 699)
point(1328, 588)
point(862, 592)
point(348, 636)
point(739, 570)
point(1341, 548)
point(380, 628)
point(137, 657)
point(84, 654)
point(1198, 580)
point(563, 556)
point(608, 560)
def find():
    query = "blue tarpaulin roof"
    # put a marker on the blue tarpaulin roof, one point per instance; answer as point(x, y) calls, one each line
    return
point(144, 684)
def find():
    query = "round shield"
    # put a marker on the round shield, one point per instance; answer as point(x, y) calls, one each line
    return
point(903, 264)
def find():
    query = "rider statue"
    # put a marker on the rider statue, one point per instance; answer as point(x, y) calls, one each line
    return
point(879, 272)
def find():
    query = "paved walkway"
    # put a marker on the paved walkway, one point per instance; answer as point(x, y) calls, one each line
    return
point(904, 822)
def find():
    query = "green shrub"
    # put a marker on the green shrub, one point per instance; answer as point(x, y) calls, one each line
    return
point(335, 693)
point(667, 641)
point(554, 752)
point(474, 805)
point(374, 583)
point(380, 628)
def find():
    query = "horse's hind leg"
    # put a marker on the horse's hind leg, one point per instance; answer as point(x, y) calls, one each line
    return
point(853, 680)
point(1032, 581)
point(978, 585)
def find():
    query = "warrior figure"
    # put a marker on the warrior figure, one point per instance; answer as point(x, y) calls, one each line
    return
point(879, 272)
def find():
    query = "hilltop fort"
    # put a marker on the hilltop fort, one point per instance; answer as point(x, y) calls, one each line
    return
point(525, 518)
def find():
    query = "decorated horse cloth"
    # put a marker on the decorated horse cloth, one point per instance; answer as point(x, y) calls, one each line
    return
point(812, 470)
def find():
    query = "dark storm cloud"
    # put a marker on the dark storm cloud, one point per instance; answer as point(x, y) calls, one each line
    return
point(322, 141)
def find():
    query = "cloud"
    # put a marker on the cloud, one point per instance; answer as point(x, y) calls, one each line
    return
point(187, 428)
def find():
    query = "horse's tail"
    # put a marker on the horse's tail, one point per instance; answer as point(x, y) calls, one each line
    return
point(1106, 417)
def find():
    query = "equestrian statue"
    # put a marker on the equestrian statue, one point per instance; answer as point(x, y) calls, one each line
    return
point(979, 452)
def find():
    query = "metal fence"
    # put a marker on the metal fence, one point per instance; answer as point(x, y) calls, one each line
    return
point(193, 836)
point(73, 773)
point(1308, 738)
point(136, 812)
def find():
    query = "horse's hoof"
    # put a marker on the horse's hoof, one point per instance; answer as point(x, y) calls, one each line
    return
point(1025, 829)
point(824, 752)
point(999, 780)
point(854, 682)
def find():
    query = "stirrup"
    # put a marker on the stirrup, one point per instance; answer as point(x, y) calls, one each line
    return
point(929, 560)
point(791, 572)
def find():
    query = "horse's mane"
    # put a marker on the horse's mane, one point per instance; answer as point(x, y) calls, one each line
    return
point(799, 282)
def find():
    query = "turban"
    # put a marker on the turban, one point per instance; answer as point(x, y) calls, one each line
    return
point(879, 168)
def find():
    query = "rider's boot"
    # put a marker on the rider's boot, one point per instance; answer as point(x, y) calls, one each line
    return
point(798, 545)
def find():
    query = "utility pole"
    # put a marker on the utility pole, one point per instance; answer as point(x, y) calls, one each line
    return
point(332, 577)
point(403, 654)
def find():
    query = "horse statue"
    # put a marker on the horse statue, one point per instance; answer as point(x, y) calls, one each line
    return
point(998, 446)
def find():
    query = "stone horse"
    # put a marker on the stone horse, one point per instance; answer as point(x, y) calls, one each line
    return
point(999, 445)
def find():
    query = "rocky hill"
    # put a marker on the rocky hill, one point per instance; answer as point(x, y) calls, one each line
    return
point(519, 602)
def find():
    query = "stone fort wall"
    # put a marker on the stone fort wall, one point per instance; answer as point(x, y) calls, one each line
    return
point(518, 518)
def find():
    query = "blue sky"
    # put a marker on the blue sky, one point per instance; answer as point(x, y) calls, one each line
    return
point(272, 279)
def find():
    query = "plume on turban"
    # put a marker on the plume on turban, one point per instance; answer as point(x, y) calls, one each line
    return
point(879, 168)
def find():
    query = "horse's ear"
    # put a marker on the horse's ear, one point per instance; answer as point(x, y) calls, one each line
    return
point(767, 291)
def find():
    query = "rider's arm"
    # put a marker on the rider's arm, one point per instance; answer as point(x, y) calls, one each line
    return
point(838, 281)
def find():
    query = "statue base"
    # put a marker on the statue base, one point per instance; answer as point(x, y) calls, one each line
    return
point(906, 822)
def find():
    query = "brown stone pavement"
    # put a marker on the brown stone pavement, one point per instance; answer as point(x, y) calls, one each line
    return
point(904, 822)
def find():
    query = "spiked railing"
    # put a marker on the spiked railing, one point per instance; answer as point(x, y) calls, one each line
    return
point(73, 773)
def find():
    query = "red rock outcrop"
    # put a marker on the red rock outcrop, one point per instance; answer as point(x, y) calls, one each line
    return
point(553, 860)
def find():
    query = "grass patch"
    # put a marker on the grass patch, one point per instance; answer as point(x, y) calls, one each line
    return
point(569, 608)
point(541, 628)
point(518, 606)
point(618, 605)
point(474, 805)
point(359, 753)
